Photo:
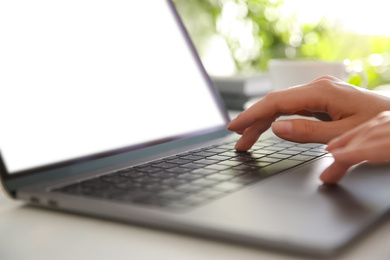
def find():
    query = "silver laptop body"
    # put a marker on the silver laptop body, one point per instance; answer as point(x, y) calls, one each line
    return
point(91, 88)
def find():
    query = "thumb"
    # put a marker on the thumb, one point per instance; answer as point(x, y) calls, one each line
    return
point(306, 131)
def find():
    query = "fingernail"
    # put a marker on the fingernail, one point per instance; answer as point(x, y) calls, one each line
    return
point(282, 127)
point(337, 153)
point(329, 148)
point(332, 144)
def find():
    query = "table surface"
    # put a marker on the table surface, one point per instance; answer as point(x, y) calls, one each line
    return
point(32, 233)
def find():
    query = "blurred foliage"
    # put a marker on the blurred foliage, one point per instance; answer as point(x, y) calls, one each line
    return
point(256, 31)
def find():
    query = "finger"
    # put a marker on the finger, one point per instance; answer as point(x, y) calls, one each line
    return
point(375, 151)
point(345, 138)
point(305, 131)
point(334, 173)
point(347, 157)
point(351, 155)
point(375, 129)
point(251, 135)
point(286, 101)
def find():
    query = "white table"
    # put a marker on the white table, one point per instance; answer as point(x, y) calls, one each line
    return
point(33, 233)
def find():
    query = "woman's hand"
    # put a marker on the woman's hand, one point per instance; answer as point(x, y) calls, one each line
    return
point(339, 106)
point(369, 141)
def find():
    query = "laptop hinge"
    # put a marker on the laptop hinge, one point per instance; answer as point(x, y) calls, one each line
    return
point(3, 173)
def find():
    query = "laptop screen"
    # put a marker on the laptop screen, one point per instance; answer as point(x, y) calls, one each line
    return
point(81, 77)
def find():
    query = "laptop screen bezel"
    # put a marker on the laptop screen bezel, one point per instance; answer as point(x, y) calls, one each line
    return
point(6, 176)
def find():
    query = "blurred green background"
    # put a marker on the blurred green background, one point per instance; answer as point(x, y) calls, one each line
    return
point(241, 36)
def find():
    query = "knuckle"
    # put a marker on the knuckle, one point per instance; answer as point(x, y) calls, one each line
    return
point(305, 130)
point(271, 95)
point(327, 78)
point(385, 115)
point(271, 98)
point(330, 85)
point(381, 120)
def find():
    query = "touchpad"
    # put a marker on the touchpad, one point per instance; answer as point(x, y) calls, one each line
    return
point(301, 181)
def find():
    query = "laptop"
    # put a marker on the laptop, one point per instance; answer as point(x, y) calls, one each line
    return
point(107, 111)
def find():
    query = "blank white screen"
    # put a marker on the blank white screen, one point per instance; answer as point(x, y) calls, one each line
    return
point(79, 77)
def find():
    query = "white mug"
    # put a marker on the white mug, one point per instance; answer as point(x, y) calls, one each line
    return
point(289, 73)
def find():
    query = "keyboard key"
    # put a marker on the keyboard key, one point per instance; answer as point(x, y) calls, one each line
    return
point(151, 169)
point(132, 174)
point(164, 165)
point(114, 179)
point(204, 172)
point(285, 145)
point(280, 156)
point(227, 186)
point(132, 196)
point(217, 167)
point(290, 152)
point(216, 150)
point(279, 166)
point(173, 182)
point(245, 167)
point(226, 147)
point(242, 159)
point(178, 170)
point(162, 175)
point(231, 163)
point(310, 145)
point(204, 154)
point(103, 194)
point(205, 182)
point(269, 160)
point(155, 187)
point(265, 151)
point(146, 180)
point(188, 176)
point(274, 148)
point(301, 157)
point(219, 177)
point(76, 189)
point(192, 157)
point(95, 184)
point(193, 165)
point(233, 172)
point(179, 161)
point(129, 186)
point(206, 161)
point(258, 164)
point(319, 149)
point(217, 158)
point(297, 148)
point(313, 153)
point(189, 188)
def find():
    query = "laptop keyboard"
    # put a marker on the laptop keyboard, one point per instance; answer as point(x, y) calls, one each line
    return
point(193, 178)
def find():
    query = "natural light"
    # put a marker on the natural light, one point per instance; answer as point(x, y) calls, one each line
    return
point(353, 16)
point(359, 16)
